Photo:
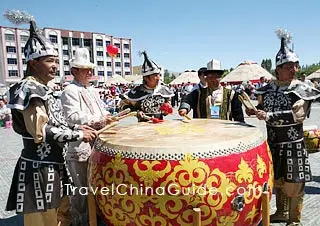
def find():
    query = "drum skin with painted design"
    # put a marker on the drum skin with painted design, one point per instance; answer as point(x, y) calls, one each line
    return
point(155, 174)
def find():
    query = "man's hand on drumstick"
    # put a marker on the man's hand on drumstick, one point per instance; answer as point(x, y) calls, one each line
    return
point(250, 111)
point(140, 114)
point(89, 134)
point(261, 115)
point(182, 112)
point(110, 119)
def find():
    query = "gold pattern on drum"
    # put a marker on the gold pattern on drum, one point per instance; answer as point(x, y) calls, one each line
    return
point(183, 129)
point(186, 173)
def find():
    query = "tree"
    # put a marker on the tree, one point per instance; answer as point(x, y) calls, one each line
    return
point(267, 64)
point(166, 77)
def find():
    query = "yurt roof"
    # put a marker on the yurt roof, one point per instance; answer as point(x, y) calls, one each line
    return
point(314, 75)
point(247, 71)
point(185, 77)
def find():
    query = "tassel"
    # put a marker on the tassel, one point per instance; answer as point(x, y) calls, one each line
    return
point(18, 17)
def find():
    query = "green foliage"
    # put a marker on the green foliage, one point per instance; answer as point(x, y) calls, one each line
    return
point(308, 69)
point(168, 77)
point(267, 64)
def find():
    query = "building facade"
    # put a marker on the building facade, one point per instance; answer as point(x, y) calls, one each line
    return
point(13, 63)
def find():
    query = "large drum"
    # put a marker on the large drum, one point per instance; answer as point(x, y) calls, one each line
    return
point(155, 174)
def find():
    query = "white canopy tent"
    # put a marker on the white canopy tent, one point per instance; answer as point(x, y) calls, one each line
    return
point(185, 77)
point(116, 79)
point(314, 75)
point(247, 71)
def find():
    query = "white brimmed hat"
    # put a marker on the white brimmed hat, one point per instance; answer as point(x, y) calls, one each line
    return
point(214, 66)
point(81, 59)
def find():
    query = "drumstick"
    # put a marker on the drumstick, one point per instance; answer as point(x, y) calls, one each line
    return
point(109, 132)
point(121, 113)
point(154, 120)
point(244, 97)
point(134, 113)
point(107, 127)
point(187, 117)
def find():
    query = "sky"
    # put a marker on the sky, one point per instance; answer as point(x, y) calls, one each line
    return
point(181, 35)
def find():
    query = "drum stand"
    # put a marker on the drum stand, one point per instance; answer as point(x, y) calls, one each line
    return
point(197, 221)
point(92, 210)
point(265, 203)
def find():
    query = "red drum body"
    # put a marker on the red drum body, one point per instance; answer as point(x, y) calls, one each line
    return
point(155, 174)
point(312, 139)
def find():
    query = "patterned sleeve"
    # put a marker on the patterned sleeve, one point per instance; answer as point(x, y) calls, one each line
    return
point(36, 119)
point(280, 117)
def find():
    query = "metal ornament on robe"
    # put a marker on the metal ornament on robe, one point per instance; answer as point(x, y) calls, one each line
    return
point(112, 50)
point(171, 164)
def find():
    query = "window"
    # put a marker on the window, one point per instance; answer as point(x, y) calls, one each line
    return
point(13, 73)
point(65, 41)
point(109, 73)
point(11, 49)
point(73, 52)
point(10, 37)
point(118, 55)
point(53, 38)
point(118, 64)
point(24, 73)
point(127, 64)
point(100, 73)
point(118, 72)
point(66, 62)
point(87, 42)
point(12, 61)
point(126, 46)
point(100, 63)
point(22, 49)
point(108, 43)
point(99, 53)
point(66, 72)
point(65, 52)
point(126, 55)
point(24, 61)
point(99, 42)
point(117, 45)
point(24, 38)
point(127, 73)
point(108, 64)
point(75, 41)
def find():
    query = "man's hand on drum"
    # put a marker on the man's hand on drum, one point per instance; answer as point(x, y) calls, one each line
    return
point(261, 115)
point(183, 112)
point(89, 134)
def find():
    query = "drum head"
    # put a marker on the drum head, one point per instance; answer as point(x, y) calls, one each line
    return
point(199, 136)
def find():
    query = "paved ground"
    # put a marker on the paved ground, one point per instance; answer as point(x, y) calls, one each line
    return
point(10, 146)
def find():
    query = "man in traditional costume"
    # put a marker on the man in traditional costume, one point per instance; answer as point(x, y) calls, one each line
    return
point(37, 188)
point(284, 104)
point(148, 97)
point(214, 100)
point(81, 105)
